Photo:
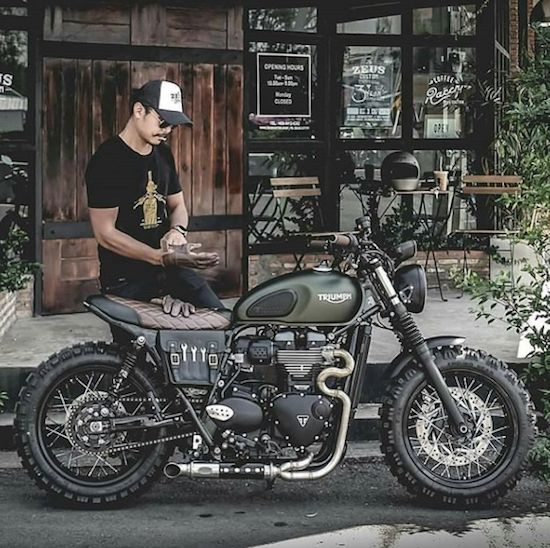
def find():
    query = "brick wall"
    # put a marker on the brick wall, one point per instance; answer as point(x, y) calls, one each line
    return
point(24, 303)
point(265, 267)
point(7, 311)
point(514, 34)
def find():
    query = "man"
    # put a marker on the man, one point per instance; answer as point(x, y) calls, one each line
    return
point(138, 213)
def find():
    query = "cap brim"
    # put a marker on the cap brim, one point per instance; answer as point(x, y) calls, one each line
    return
point(175, 118)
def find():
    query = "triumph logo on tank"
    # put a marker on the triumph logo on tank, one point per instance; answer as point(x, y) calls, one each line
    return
point(334, 298)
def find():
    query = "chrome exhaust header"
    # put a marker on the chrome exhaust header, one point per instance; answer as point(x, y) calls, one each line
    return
point(293, 470)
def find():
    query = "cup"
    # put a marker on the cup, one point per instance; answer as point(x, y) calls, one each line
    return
point(441, 179)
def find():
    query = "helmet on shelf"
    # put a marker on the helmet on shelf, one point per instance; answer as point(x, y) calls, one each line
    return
point(401, 171)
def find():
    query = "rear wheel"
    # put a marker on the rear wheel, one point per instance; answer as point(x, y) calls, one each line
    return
point(429, 458)
point(63, 434)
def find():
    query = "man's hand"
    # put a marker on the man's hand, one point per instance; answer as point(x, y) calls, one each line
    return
point(184, 256)
point(175, 307)
point(172, 238)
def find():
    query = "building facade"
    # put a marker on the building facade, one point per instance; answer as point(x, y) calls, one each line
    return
point(274, 89)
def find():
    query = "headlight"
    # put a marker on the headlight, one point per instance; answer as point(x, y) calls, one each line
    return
point(410, 284)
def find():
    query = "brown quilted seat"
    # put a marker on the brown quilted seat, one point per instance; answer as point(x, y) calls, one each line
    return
point(151, 315)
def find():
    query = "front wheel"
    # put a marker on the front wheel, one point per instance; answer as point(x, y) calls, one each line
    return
point(429, 458)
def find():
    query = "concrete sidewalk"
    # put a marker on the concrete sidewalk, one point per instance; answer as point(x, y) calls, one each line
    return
point(32, 340)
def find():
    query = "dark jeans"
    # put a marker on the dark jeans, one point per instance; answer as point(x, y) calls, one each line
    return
point(181, 283)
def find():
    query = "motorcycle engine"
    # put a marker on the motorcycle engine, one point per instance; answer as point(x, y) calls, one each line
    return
point(275, 401)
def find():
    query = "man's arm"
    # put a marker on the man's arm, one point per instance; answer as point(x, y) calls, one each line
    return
point(108, 236)
point(177, 212)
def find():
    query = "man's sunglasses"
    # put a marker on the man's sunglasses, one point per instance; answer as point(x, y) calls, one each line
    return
point(163, 124)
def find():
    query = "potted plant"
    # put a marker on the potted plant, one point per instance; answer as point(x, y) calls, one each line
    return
point(14, 273)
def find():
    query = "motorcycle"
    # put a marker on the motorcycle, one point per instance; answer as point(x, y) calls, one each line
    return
point(268, 390)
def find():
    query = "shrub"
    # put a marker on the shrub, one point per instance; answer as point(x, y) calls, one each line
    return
point(14, 271)
point(522, 147)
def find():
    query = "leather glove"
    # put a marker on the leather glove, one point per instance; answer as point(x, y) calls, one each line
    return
point(184, 256)
point(175, 307)
point(172, 237)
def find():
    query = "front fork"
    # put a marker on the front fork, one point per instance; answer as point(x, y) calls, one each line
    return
point(404, 323)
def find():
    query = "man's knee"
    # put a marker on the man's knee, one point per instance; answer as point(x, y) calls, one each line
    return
point(189, 286)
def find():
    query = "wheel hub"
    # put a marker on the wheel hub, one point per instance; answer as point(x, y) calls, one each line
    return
point(436, 438)
point(87, 425)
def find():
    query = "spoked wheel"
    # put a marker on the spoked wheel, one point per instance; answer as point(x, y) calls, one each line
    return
point(63, 428)
point(430, 458)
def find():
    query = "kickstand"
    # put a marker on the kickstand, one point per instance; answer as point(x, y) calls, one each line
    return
point(269, 483)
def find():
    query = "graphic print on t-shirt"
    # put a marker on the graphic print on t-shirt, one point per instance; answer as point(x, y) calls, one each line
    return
point(149, 202)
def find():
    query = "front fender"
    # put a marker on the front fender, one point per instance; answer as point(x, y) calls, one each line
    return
point(403, 360)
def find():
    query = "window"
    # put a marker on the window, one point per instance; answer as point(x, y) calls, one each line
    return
point(444, 80)
point(457, 20)
point(261, 209)
point(371, 93)
point(13, 83)
point(283, 103)
point(283, 19)
point(390, 24)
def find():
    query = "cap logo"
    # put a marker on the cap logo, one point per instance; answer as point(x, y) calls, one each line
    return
point(170, 97)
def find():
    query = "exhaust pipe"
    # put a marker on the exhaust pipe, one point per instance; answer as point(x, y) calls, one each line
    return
point(329, 353)
point(293, 470)
point(230, 470)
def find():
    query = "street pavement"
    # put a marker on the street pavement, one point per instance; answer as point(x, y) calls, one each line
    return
point(360, 504)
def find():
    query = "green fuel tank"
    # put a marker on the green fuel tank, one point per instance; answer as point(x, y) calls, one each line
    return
point(310, 297)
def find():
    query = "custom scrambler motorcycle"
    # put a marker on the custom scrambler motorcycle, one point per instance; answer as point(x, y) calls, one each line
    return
point(268, 390)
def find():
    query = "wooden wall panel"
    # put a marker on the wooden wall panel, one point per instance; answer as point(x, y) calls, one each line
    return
point(145, 24)
point(186, 143)
point(219, 130)
point(101, 24)
point(69, 274)
point(67, 177)
point(235, 168)
point(148, 25)
point(83, 133)
point(235, 38)
point(196, 27)
point(51, 137)
point(203, 141)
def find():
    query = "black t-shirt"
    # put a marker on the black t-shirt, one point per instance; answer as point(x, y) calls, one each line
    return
point(138, 185)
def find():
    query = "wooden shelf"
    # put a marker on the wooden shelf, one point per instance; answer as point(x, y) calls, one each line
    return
point(488, 232)
point(489, 190)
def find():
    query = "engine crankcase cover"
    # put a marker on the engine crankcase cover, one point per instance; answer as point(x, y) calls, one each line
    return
point(301, 417)
point(239, 414)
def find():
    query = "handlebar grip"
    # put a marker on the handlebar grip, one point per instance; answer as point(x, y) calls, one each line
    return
point(341, 240)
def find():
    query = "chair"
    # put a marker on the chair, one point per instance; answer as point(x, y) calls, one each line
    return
point(480, 191)
point(298, 209)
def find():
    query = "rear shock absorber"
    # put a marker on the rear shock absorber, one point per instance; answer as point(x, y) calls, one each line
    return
point(129, 363)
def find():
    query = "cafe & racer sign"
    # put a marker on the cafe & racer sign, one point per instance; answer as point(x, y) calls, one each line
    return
point(284, 85)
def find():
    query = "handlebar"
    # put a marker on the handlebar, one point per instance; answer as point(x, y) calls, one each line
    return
point(339, 240)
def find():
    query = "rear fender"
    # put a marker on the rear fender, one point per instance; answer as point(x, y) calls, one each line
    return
point(404, 359)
